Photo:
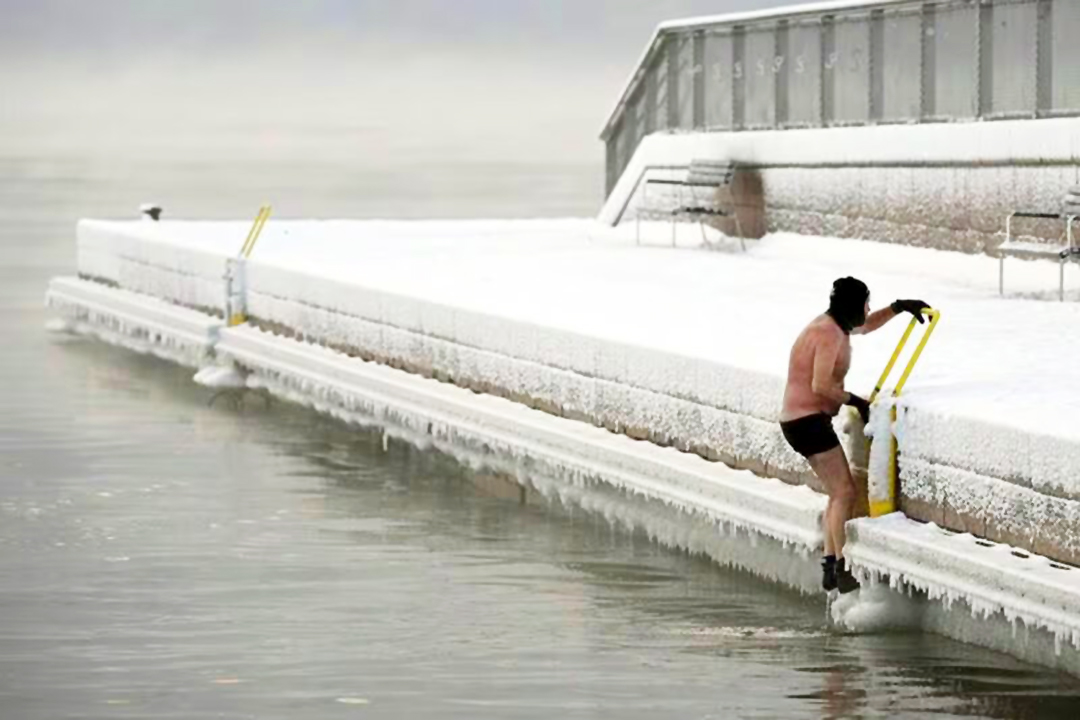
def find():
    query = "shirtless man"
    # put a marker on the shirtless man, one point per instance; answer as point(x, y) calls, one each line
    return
point(819, 362)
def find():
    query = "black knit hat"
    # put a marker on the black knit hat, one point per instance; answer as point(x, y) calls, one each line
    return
point(847, 303)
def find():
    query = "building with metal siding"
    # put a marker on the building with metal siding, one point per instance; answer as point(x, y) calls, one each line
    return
point(842, 64)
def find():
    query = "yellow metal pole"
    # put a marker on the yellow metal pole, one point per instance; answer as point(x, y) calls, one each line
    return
point(251, 232)
point(892, 361)
point(934, 316)
point(256, 230)
point(888, 505)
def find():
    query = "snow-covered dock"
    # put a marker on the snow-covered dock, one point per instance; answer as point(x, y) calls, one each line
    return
point(587, 331)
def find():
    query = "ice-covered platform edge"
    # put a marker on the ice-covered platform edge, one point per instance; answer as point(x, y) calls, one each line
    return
point(908, 553)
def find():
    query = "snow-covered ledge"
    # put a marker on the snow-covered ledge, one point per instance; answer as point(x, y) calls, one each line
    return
point(894, 183)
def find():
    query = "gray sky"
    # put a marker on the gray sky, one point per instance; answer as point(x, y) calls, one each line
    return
point(509, 79)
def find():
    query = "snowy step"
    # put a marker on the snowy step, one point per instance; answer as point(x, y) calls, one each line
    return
point(738, 499)
point(991, 578)
point(136, 321)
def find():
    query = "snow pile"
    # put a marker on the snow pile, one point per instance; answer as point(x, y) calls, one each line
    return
point(880, 432)
point(220, 376)
point(59, 325)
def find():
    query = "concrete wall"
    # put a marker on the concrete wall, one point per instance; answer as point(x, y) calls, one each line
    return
point(948, 186)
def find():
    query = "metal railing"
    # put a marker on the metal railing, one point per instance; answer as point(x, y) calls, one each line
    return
point(890, 61)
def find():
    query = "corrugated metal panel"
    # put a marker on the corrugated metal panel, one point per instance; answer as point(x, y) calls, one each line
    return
point(684, 57)
point(782, 50)
point(902, 91)
point(851, 72)
point(718, 80)
point(629, 121)
point(699, 79)
point(828, 70)
point(637, 111)
point(1014, 56)
point(622, 147)
point(760, 77)
point(877, 64)
point(738, 79)
point(802, 72)
point(659, 75)
point(1065, 55)
point(956, 71)
point(611, 159)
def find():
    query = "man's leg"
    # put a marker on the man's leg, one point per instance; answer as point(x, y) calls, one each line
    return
point(831, 467)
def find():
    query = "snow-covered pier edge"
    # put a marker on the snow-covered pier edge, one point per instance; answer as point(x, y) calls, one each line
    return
point(572, 420)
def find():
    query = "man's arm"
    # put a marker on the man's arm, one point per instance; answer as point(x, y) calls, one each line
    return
point(879, 317)
point(875, 320)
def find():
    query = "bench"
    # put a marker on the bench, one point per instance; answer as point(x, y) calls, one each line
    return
point(701, 173)
point(1061, 253)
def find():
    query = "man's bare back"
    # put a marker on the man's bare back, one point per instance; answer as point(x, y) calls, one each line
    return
point(821, 341)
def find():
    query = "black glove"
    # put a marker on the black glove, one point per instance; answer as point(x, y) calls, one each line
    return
point(861, 405)
point(915, 307)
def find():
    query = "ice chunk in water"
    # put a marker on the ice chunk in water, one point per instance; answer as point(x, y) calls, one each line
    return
point(876, 608)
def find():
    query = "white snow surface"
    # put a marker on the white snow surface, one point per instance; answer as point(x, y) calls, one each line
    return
point(994, 393)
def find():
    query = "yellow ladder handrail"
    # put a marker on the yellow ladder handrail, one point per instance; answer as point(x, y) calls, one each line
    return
point(888, 505)
point(934, 316)
point(256, 230)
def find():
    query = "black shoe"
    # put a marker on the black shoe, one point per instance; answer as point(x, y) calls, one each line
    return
point(845, 581)
point(828, 573)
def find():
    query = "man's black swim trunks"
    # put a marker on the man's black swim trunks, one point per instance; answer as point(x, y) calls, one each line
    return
point(810, 435)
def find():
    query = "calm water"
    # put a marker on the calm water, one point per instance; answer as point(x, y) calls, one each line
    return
point(163, 558)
